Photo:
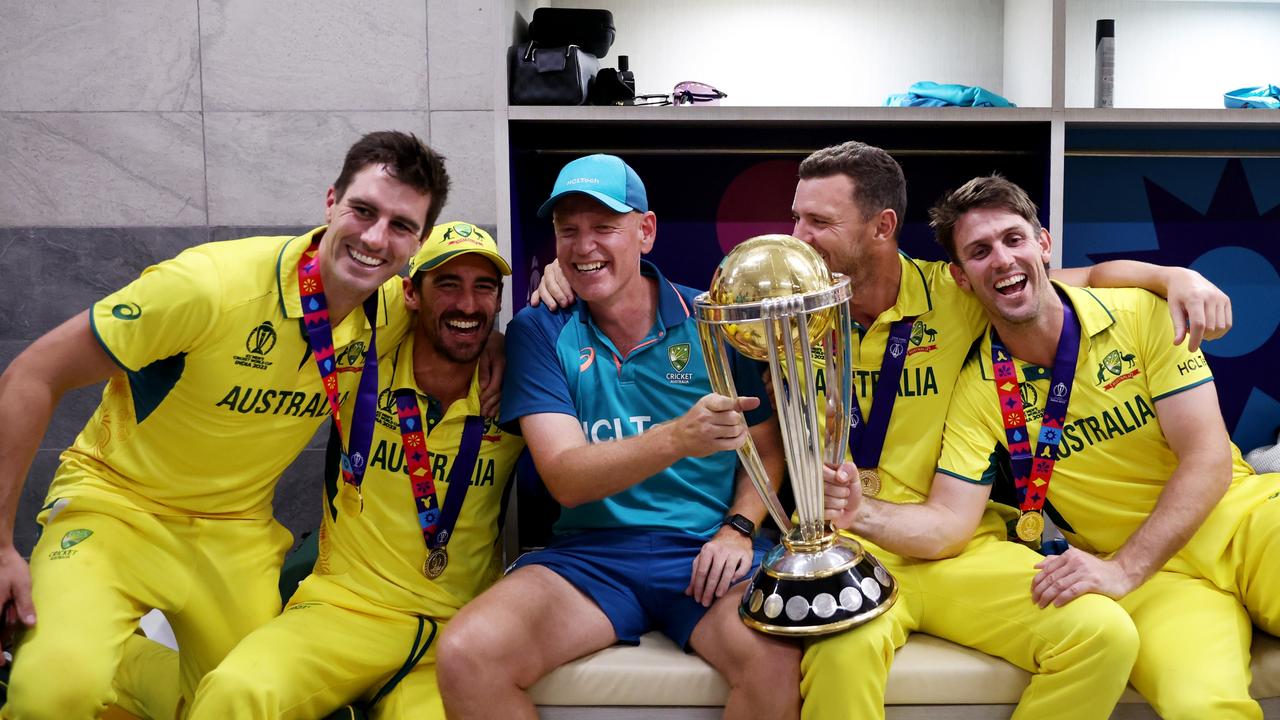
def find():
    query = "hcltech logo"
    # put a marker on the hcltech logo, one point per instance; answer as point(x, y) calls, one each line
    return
point(678, 355)
point(258, 343)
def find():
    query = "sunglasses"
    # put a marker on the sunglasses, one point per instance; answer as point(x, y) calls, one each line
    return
point(684, 93)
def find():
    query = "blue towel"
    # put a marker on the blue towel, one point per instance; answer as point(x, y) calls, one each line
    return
point(931, 94)
point(1263, 96)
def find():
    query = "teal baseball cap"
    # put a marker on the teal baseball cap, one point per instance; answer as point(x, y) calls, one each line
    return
point(604, 177)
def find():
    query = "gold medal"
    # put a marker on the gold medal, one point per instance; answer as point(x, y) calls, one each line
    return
point(436, 562)
point(1030, 526)
point(870, 479)
point(350, 503)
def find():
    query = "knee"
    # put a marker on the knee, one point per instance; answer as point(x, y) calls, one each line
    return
point(59, 688)
point(471, 653)
point(846, 655)
point(765, 661)
point(1098, 631)
point(228, 692)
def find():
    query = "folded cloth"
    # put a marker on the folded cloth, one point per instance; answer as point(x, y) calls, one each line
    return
point(1265, 459)
point(932, 94)
point(1262, 96)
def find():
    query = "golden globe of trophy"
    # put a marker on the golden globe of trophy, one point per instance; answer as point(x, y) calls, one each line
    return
point(773, 299)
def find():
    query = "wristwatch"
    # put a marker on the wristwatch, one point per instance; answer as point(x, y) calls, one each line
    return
point(741, 524)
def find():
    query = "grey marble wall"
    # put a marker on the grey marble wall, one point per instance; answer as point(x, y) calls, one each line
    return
point(129, 131)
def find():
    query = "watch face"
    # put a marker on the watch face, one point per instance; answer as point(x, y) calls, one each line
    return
point(741, 524)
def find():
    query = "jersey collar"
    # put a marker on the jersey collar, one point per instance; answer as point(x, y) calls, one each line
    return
point(672, 307)
point(291, 302)
point(914, 298)
point(402, 379)
point(1094, 317)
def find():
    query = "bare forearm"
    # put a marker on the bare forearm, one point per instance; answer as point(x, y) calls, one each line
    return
point(1118, 273)
point(1187, 499)
point(25, 411)
point(919, 530)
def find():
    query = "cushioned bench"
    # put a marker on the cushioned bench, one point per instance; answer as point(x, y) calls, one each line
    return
point(931, 678)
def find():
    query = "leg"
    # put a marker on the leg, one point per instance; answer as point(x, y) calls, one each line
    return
point(85, 571)
point(763, 672)
point(844, 675)
point(235, 568)
point(320, 654)
point(417, 696)
point(1080, 654)
point(146, 681)
point(502, 642)
point(1254, 551)
point(1194, 657)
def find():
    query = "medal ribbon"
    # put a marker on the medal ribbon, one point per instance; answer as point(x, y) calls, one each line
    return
point(436, 526)
point(866, 439)
point(1031, 474)
point(315, 318)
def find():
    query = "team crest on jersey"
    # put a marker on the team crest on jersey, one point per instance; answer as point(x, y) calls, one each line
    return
point(349, 359)
point(68, 543)
point(678, 355)
point(923, 338)
point(1112, 369)
point(258, 343)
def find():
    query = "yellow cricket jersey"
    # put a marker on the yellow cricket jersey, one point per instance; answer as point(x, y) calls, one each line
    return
point(380, 553)
point(219, 391)
point(1113, 457)
point(948, 320)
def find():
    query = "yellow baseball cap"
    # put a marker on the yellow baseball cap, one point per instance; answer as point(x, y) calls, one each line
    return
point(451, 239)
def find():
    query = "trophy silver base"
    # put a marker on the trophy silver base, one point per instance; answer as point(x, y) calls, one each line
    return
point(817, 588)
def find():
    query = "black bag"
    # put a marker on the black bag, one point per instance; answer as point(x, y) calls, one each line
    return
point(591, 30)
point(538, 75)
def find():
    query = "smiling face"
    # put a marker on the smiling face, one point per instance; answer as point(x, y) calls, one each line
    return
point(374, 228)
point(457, 304)
point(599, 250)
point(1003, 261)
point(827, 218)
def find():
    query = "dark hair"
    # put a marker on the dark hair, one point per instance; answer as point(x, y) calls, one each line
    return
point(991, 191)
point(878, 183)
point(408, 159)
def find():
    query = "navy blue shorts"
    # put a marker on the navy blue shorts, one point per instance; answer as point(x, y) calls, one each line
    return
point(637, 577)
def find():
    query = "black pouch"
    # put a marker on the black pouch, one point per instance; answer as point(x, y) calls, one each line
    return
point(538, 75)
point(591, 30)
point(611, 89)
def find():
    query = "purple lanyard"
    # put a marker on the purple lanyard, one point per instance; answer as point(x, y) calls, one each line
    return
point(436, 527)
point(1031, 475)
point(866, 439)
point(315, 318)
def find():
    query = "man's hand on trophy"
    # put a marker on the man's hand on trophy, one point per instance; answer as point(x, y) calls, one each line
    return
point(843, 494)
point(553, 289)
point(713, 424)
point(725, 558)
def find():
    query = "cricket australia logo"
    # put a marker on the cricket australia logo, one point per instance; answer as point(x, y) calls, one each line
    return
point(1113, 365)
point(351, 355)
point(68, 543)
point(258, 344)
point(923, 338)
point(678, 355)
